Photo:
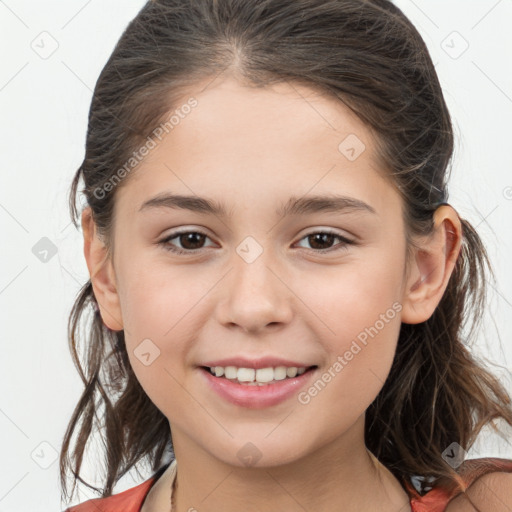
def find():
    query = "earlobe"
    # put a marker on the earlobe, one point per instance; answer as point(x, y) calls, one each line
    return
point(432, 266)
point(101, 273)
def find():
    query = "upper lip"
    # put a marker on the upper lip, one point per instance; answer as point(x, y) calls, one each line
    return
point(262, 362)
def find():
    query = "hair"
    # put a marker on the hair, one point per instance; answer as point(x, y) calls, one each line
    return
point(368, 55)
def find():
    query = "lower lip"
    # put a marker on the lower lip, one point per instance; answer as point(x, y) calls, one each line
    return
point(257, 397)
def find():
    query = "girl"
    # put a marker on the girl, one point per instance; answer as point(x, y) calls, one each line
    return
point(280, 287)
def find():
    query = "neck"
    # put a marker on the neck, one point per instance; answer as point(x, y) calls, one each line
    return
point(342, 474)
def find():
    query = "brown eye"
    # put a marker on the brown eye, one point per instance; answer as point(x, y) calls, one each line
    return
point(322, 241)
point(319, 240)
point(190, 241)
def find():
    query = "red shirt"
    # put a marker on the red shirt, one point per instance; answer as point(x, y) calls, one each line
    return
point(434, 500)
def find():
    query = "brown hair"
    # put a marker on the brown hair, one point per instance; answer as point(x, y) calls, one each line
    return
point(367, 54)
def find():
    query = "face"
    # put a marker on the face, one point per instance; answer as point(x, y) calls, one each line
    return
point(313, 286)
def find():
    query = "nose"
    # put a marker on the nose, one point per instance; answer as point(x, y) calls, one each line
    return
point(257, 295)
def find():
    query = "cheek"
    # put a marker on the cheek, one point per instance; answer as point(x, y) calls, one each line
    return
point(359, 307)
point(160, 324)
point(359, 360)
point(349, 298)
point(159, 301)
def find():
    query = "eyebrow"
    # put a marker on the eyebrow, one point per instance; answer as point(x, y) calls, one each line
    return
point(295, 206)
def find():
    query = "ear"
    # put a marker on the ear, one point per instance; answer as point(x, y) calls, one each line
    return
point(102, 273)
point(432, 265)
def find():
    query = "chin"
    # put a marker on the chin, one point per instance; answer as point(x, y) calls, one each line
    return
point(258, 452)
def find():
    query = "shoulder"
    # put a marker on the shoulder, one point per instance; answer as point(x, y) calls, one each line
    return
point(487, 484)
point(490, 492)
point(128, 501)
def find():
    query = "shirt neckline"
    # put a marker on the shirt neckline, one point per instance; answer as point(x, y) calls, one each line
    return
point(154, 479)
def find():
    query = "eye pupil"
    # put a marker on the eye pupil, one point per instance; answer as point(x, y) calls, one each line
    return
point(189, 237)
point(321, 237)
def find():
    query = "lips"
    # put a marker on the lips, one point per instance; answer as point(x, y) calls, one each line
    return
point(256, 396)
point(256, 363)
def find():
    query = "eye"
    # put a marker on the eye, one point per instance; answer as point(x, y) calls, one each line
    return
point(192, 241)
point(319, 239)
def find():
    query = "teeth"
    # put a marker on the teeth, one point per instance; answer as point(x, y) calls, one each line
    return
point(253, 377)
point(265, 374)
point(230, 372)
point(245, 374)
point(292, 372)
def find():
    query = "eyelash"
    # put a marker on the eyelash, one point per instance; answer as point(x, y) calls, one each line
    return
point(165, 242)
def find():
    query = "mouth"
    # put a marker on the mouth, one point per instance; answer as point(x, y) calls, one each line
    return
point(257, 376)
point(243, 387)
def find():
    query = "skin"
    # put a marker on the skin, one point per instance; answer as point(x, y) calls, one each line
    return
point(253, 149)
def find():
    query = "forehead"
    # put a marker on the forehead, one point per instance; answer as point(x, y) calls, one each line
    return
point(256, 145)
point(234, 120)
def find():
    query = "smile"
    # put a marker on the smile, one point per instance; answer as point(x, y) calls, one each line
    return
point(255, 377)
point(241, 386)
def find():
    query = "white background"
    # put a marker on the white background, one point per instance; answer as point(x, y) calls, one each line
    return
point(44, 105)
